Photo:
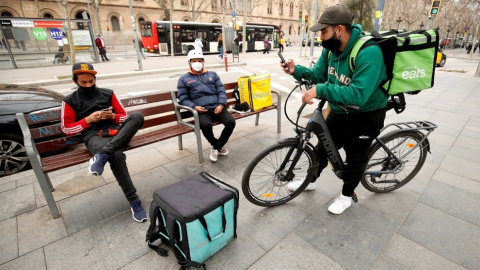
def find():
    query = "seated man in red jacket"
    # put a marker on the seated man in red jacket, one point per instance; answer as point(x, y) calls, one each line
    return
point(99, 117)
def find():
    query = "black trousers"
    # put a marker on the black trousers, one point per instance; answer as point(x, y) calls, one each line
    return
point(207, 129)
point(354, 132)
point(113, 146)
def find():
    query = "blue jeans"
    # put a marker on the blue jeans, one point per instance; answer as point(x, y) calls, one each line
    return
point(113, 146)
point(221, 52)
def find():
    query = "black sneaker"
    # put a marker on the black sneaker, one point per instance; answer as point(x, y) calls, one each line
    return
point(138, 213)
point(97, 164)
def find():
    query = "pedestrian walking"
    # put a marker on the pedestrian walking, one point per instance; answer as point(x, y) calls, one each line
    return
point(469, 47)
point(220, 46)
point(281, 42)
point(140, 47)
point(266, 45)
point(101, 48)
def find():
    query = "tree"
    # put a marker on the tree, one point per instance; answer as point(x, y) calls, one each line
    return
point(163, 4)
point(196, 7)
point(364, 12)
point(64, 4)
point(96, 5)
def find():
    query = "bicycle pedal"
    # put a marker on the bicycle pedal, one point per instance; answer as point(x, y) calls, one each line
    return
point(354, 197)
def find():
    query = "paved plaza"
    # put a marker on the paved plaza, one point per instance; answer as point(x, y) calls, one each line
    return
point(431, 223)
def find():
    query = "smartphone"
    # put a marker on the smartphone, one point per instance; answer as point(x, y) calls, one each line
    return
point(283, 60)
point(106, 109)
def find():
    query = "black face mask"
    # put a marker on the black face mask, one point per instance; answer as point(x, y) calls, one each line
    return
point(87, 90)
point(332, 43)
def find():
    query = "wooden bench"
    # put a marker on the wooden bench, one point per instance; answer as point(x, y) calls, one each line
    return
point(49, 150)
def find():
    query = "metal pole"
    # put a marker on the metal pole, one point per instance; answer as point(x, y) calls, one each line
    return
point(312, 42)
point(134, 27)
point(9, 49)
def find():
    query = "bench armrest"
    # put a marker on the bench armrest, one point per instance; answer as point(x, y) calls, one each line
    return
point(178, 109)
point(28, 141)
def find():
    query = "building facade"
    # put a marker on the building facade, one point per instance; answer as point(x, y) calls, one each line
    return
point(114, 22)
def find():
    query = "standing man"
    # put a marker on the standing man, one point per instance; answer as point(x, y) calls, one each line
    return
point(198, 43)
point(203, 91)
point(281, 42)
point(101, 48)
point(99, 117)
point(355, 130)
point(140, 47)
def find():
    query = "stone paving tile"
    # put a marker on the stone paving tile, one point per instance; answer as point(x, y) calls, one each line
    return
point(77, 251)
point(458, 181)
point(37, 229)
point(33, 260)
point(469, 143)
point(119, 251)
point(17, 201)
point(423, 177)
point(171, 151)
point(460, 166)
point(286, 254)
point(147, 159)
point(8, 240)
point(450, 237)
point(347, 243)
point(465, 153)
point(152, 260)
point(455, 201)
point(4, 186)
point(383, 263)
point(413, 256)
point(89, 208)
point(394, 206)
point(239, 254)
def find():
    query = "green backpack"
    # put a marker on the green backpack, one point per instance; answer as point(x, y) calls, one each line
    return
point(409, 58)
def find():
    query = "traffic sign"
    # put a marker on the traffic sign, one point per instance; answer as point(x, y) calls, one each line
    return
point(39, 33)
point(56, 34)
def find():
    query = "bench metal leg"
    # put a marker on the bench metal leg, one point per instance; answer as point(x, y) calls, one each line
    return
point(199, 145)
point(257, 117)
point(180, 142)
point(46, 186)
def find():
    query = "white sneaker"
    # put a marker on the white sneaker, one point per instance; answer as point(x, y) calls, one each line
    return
point(214, 155)
point(294, 185)
point(340, 204)
point(223, 151)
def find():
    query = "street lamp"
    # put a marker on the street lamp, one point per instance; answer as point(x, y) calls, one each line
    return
point(448, 32)
point(421, 25)
point(399, 20)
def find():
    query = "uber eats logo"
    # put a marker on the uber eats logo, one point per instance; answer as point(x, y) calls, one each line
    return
point(413, 72)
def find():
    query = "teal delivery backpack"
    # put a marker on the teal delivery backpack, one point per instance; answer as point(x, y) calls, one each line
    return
point(195, 218)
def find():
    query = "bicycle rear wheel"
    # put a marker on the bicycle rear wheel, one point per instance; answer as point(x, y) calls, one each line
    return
point(264, 183)
point(401, 173)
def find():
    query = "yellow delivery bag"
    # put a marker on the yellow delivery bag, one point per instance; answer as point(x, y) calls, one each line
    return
point(255, 90)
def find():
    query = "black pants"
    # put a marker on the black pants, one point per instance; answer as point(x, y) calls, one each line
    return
point(103, 53)
point(207, 129)
point(281, 48)
point(113, 146)
point(354, 132)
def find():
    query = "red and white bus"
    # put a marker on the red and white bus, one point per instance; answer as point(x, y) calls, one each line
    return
point(156, 36)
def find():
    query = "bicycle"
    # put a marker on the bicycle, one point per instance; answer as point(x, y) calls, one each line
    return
point(394, 158)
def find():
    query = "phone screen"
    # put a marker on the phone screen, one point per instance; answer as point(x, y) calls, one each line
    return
point(283, 60)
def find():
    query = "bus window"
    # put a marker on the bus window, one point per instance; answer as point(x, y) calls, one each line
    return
point(146, 30)
point(162, 35)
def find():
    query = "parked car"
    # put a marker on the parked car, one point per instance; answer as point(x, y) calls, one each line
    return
point(441, 59)
point(317, 43)
point(15, 99)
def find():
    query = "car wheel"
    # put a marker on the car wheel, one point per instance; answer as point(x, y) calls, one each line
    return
point(443, 61)
point(13, 155)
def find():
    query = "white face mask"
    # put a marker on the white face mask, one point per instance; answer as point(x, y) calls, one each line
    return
point(197, 66)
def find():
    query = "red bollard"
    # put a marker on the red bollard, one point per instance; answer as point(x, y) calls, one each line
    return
point(226, 62)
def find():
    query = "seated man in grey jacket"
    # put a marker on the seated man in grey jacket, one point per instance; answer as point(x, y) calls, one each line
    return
point(203, 91)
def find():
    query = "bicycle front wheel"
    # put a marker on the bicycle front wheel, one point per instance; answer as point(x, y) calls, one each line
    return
point(391, 174)
point(264, 181)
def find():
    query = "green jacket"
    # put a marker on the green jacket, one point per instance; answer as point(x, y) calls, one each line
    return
point(336, 82)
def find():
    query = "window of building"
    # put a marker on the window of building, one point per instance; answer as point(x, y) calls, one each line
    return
point(184, 2)
point(280, 8)
point(214, 5)
point(291, 10)
point(80, 25)
point(290, 30)
point(115, 23)
point(269, 7)
point(6, 14)
point(48, 15)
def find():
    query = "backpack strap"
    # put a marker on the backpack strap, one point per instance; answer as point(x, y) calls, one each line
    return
point(153, 233)
point(356, 48)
